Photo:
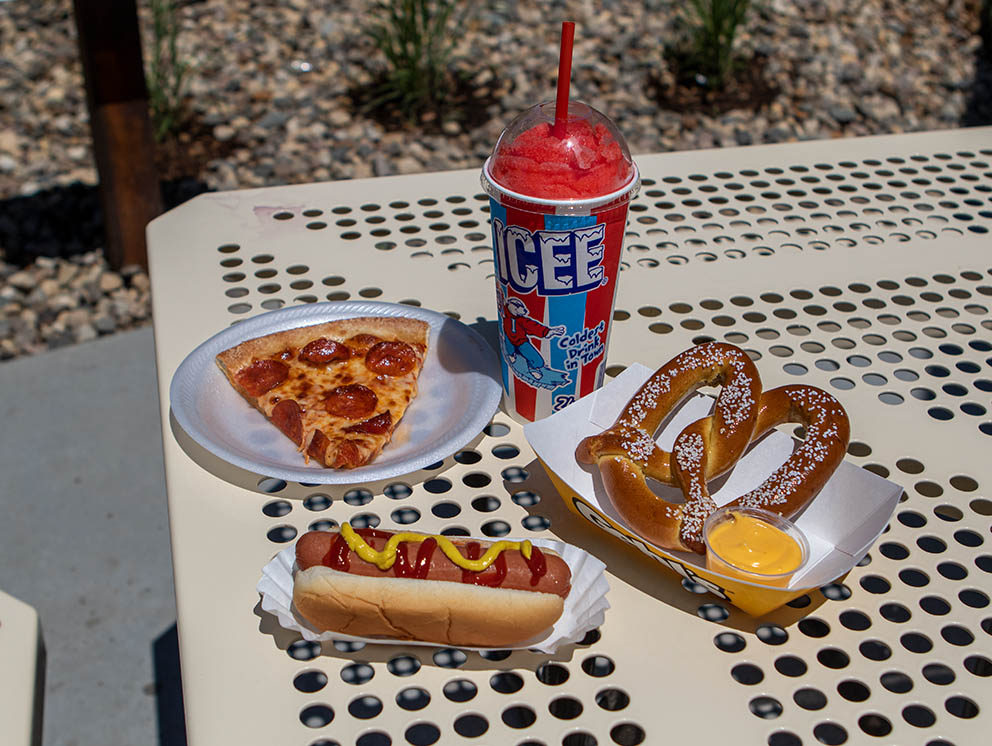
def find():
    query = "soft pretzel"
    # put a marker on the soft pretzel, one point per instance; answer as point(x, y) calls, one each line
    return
point(627, 454)
point(790, 487)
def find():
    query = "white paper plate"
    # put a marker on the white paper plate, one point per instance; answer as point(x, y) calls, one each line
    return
point(459, 390)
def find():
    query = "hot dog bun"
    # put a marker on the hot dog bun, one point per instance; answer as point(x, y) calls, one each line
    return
point(508, 602)
point(430, 610)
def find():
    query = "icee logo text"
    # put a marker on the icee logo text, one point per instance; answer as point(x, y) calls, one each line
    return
point(554, 262)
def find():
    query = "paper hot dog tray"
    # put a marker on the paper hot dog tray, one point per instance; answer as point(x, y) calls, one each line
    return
point(584, 609)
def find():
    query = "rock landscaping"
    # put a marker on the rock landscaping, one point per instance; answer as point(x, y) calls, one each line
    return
point(278, 90)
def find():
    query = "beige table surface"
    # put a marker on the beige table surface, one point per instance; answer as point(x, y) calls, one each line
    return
point(20, 673)
point(860, 265)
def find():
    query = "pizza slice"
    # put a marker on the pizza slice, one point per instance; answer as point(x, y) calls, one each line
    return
point(338, 389)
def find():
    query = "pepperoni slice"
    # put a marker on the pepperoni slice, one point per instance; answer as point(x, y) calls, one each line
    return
point(318, 446)
point(286, 415)
point(378, 425)
point(262, 376)
point(322, 351)
point(391, 358)
point(347, 456)
point(352, 402)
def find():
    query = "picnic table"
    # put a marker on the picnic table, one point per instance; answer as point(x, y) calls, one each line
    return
point(861, 266)
point(22, 673)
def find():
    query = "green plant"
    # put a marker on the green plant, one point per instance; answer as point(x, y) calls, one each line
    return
point(713, 28)
point(167, 73)
point(413, 36)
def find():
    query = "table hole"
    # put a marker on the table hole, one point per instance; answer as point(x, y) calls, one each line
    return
point(506, 682)
point(598, 665)
point(450, 658)
point(916, 642)
point(694, 587)
point(496, 528)
point(855, 620)
point(437, 485)
point(747, 674)
point(471, 725)
point(281, 534)
point(833, 658)
point(800, 602)
point(365, 520)
point(813, 627)
point(918, 716)
point(310, 681)
point(358, 497)
point(981, 506)
point(729, 642)
point(893, 550)
point(767, 708)
point(911, 519)
point(853, 690)
point(952, 570)
point(913, 577)
point(460, 690)
point(961, 707)
point(784, 738)
point(931, 544)
point(579, 738)
point(948, 513)
point(316, 716)
point(525, 498)
point(957, 635)
point(565, 708)
point(810, 699)
point(836, 591)
point(405, 516)
point(357, 673)
point(303, 650)
point(968, 538)
point(591, 637)
point(894, 612)
point(276, 508)
point(496, 655)
point(831, 734)
point(712, 612)
point(875, 650)
point(422, 734)
point(403, 665)
point(554, 674)
point(772, 634)
point(978, 665)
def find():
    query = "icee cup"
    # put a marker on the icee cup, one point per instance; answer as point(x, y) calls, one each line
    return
point(558, 207)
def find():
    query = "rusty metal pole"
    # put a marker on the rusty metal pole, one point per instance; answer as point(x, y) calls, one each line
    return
point(123, 144)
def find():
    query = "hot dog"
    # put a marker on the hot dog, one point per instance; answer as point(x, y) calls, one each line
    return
point(413, 586)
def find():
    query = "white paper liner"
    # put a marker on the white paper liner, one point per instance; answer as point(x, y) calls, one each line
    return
point(585, 606)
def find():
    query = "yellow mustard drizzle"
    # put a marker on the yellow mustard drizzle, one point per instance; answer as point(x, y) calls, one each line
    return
point(385, 558)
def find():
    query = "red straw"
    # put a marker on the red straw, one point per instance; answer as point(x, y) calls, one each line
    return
point(564, 76)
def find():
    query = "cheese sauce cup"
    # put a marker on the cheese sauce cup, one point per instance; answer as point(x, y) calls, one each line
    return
point(558, 208)
point(754, 545)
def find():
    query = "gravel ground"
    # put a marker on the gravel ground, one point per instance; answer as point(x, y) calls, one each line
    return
point(272, 101)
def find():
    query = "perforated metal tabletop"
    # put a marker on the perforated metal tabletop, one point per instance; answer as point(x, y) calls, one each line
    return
point(862, 266)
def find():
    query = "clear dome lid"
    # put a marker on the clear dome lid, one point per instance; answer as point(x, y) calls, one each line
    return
point(591, 159)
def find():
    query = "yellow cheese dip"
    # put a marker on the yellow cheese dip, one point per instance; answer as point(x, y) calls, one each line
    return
point(750, 547)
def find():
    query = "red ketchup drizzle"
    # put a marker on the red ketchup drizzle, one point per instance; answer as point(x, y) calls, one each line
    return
point(338, 558)
point(337, 555)
point(537, 565)
point(421, 565)
point(473, 550)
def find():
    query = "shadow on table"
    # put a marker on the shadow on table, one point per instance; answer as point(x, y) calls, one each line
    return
point(406, 657)
point(634, 568)
point(169, 689)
